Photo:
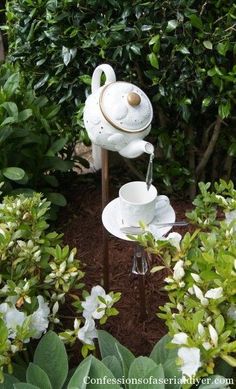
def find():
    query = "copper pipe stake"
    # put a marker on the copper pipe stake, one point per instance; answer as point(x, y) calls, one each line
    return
point(105, 200)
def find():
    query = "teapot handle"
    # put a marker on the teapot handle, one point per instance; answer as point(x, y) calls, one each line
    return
point(96, 78)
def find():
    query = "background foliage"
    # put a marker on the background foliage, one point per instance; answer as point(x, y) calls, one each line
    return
point(31, 138)
point(180, 52)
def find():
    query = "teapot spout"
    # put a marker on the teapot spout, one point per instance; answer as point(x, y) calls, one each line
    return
point(136, 148)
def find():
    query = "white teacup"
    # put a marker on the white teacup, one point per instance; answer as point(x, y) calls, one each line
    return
point(139, 204)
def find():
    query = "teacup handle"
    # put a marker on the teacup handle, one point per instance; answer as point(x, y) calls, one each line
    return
point(162, 200)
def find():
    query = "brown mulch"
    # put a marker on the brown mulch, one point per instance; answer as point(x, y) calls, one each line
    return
point(81, 224)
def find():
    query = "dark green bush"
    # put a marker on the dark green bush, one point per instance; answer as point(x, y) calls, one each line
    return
point(180, 52)
point(30, 138)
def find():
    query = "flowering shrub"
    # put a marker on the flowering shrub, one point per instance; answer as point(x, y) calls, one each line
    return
point(36, 275)
point(97, 306)
point(220, 196)
point(118, 368)
point(201, 285)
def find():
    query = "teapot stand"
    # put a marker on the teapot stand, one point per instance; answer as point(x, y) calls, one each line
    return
point(105, 246)
point(105, 200)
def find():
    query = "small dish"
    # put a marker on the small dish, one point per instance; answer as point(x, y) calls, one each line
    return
point(111, 220)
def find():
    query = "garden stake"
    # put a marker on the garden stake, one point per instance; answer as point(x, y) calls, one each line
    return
point(142, 297)
point(140, 267)
point(105, 199)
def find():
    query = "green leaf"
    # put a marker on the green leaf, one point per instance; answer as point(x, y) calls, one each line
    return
point(99, 370)
point(207, 101)
point(144, 367)
point(66, 55)
point(86, 79)
point(167, 357)
point(9, 380)
point(51, 356)
point(171, 25)
point(11, 109)
point(196, 21)
point(57, 199)
point(5, 133)
point(80, 375)
point(108, 345)
point(153, 60)
point(232, 150)
point(219, 324)
point(224, 110)
point(229, 359)
point(157, 268)
point(183, 50)
point(36, 376)
point(42, 81)
point(57, 163)
point(19, 371)
point(214, 382)
point(56, 146)
point(24, 385)
point(155, 39)
point(24, 115)
point(13, 173)
point(125, 356)
point(11, 84)
point(208, 45)
point(223, 47)
point(51, 180)
point(113, 364)
point(3, 331)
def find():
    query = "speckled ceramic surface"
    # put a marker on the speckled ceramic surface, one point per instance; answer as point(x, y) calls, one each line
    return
point(117, 114)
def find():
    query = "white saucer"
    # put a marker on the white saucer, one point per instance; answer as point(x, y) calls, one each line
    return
point(111, 219)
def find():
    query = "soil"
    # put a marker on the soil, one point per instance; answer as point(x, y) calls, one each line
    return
point(81, 224)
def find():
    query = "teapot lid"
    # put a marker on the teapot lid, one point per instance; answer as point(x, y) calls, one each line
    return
point(126, 107)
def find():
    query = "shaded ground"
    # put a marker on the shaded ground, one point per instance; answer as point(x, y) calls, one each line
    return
point(81, 223)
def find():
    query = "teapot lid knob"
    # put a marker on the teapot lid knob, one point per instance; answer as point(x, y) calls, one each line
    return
point(133, 99)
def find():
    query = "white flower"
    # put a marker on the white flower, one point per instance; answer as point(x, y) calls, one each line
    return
point(39, 319)
point(231, 313)
point(169, 280)
point(2, 232)
point(174, 238)
point(213, 335)
point(93, 306)
point(13, 319)
point(235, 264)
point(196, 277)
point(179, 270)
point(76, 324)
point(199, 295)
point(55, 308)
point(190, 291)
point(91, 302)
point(201, 329)
point(215, 293)
point(179, 307)
point(3, 308)
point(100, 311)
point(88, 332)
point(190, 360)
point(180, 338)
point(207, 345)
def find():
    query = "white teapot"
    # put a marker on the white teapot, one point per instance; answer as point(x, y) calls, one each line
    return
point(117, 116)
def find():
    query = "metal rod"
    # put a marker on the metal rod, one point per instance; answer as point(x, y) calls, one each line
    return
point(105, 199)
point(142, 297)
